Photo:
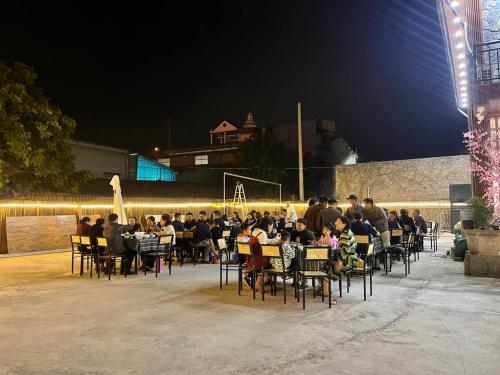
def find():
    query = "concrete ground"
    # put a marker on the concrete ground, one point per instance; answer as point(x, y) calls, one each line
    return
point(436, 321)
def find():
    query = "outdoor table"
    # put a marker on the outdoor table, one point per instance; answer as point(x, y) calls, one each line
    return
point(144, 245)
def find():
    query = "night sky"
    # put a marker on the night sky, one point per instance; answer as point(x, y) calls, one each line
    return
point(376, 67)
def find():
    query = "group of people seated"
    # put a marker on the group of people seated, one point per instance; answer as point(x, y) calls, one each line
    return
point(324, 223)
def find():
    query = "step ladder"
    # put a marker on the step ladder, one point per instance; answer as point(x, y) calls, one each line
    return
point(240, 198)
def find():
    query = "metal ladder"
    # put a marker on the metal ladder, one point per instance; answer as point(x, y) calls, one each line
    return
point(240, 198)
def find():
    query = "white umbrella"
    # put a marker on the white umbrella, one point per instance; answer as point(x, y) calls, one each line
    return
point(118, 207)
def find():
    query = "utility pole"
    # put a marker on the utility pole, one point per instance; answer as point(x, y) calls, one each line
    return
point(299, 148)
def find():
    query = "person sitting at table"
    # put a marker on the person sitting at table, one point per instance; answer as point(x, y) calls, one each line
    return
point(113, 233)
point(136, 226)
point(177, 223)
point(288, 254)
point(235, 219)
point(218, 223)
point(189, 222)
point(346, 248)
point(406, 221)
point(202, 238)
point(393, 223)
point(84, 226)
point(328, 237)
point(151, 225)
point(282, 220)
point(243, 235)
point(202, 217)
point(419, 220)
point(96, 231)
point(250, 220)
point(301, 234)
point(260, 236)
point(360, 228)
point(166, 227)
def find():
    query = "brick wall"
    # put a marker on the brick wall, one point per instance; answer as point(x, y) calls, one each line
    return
point(411, 180)
point(30, 233)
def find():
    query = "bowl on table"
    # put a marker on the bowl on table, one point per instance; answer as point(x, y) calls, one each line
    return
point(139, 235)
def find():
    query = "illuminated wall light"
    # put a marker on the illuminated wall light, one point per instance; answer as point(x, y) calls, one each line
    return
point(458, 33)
point(463, 95)
point(462, 74)
point(463, 82)
point(461, 66)
point(460, 45)
point(461, 56)
point(454, 4)
point(456, 19)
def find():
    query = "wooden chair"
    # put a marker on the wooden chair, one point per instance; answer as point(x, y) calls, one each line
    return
point(82, 249)
point(363, 266)
point(245, 249)
point(276, 251)
point(188, 237)
point(223, 249)
point(313, 254)
point(179, 246)
point(163, 251)
point(108, 258)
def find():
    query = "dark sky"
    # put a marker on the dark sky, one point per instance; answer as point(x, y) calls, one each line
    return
point(376, 67)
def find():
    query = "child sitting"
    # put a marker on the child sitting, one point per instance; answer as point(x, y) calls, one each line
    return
point(288, 253)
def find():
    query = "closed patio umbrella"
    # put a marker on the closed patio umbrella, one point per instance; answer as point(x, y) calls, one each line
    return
point(118, 207)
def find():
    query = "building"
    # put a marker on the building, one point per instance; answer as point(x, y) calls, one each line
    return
point(105, 162)
point(319, 139)
point(471, 30)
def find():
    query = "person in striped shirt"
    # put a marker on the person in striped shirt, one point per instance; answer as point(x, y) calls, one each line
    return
point(346, 248)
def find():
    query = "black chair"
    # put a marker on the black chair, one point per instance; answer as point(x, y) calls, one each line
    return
point(276, 251)
point(179, 247)
point(80, 249)
point(245, 249)
point(109, 258)
point(398, 249)
point(364, 265)
point(188, 239)
point(163, 251)
point(314, 254)
point(228, 263)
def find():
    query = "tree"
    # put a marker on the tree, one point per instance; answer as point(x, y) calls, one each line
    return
point(266, 159)
point(34, 136)
point(484, 148)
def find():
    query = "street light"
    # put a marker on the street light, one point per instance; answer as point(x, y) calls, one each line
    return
point(157, 149)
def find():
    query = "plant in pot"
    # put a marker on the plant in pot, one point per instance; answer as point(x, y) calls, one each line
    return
point(481, 212)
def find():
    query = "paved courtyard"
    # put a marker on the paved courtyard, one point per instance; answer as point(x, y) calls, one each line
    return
point(436, 321)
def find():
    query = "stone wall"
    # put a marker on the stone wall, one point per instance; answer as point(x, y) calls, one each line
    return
point(410, 181)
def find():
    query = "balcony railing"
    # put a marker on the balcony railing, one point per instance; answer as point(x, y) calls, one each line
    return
point(487, 62)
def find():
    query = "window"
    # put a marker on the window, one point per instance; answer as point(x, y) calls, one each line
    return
point(165, 162)
point(201, 160)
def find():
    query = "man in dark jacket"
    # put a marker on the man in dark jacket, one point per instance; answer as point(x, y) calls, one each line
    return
point(355, 207)
point(177, 223)
point(362, 229)
point(328, 215)
point(301, 234)
point(113, 233)
point(312, 213)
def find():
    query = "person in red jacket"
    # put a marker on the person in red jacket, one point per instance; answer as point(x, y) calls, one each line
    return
point(84, 226)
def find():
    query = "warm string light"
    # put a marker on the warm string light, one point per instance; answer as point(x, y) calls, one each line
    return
point(428, 204)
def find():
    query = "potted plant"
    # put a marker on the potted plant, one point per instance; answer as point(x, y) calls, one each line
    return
point(481, 212)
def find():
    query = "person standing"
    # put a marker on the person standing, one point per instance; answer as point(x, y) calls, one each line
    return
point(419, 220)
point(328, 215)
point(355, 207)
point(312, 215)
point(377, 218)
